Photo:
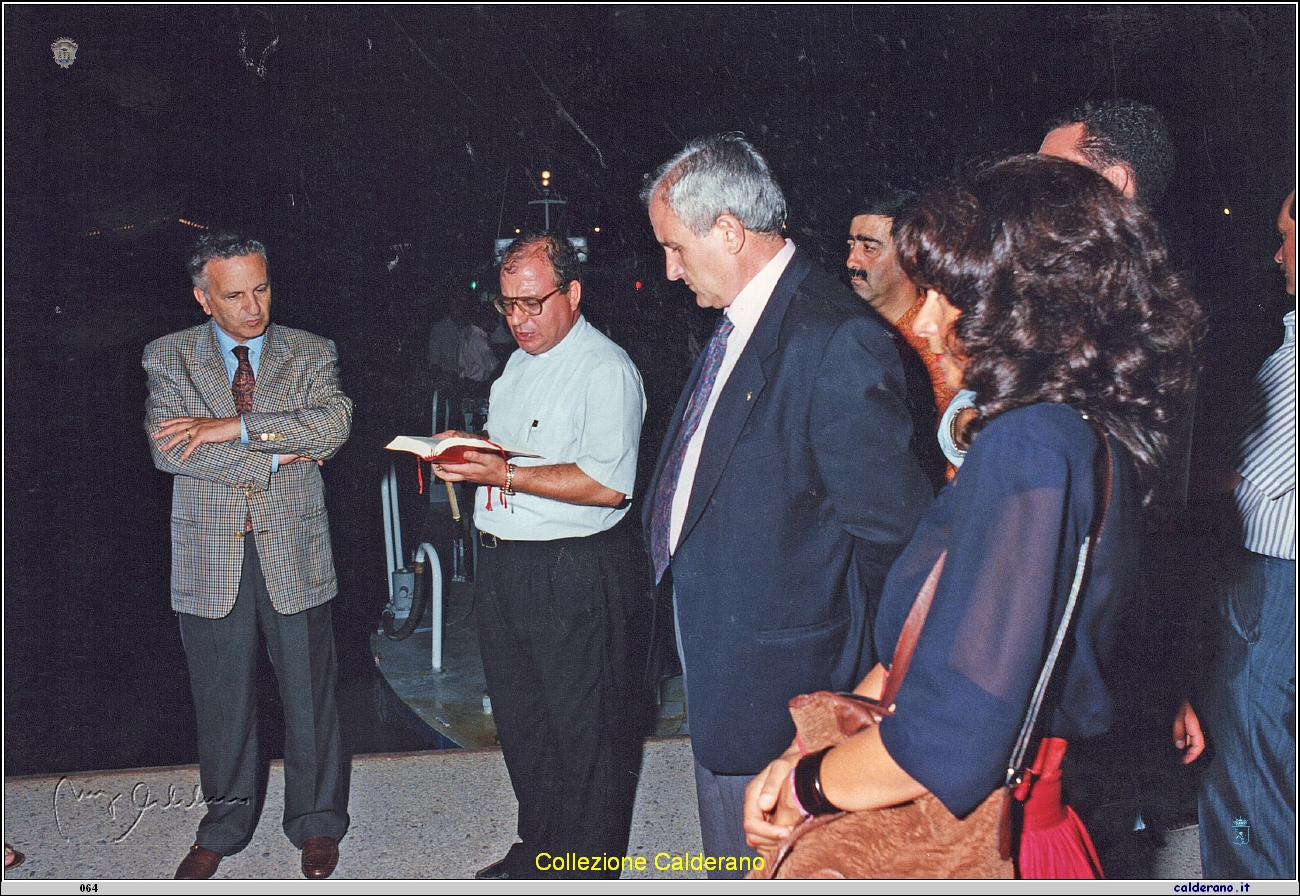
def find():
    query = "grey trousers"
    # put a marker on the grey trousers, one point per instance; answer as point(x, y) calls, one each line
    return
point(222, 658)
point(721, 798)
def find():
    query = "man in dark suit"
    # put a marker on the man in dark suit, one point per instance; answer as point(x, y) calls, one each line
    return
point(241, 413)
point(784, 488)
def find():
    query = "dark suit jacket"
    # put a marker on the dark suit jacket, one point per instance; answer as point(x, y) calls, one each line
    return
point(804, 494)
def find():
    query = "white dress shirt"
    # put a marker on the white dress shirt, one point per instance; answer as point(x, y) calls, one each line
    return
point(744, 312)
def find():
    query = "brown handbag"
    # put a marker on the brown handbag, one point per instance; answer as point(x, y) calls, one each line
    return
point(921, 838)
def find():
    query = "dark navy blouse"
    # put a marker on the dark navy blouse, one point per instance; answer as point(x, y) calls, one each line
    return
point(1012, 521)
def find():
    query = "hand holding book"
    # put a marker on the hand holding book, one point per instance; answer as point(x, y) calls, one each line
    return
point(450, 447)
point(460, 457)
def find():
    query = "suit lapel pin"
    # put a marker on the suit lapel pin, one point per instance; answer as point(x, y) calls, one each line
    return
point(748, 396)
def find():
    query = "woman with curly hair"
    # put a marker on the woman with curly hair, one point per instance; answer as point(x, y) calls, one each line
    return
point(1050, 295)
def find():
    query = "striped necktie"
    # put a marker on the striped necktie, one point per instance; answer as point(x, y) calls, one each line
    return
point(661, 518)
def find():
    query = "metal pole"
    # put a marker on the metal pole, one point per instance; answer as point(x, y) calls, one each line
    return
point(426, 552)
point(388, 533)
point(399, 560)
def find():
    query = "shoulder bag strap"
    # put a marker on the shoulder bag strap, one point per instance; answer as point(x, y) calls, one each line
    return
point(1105, 477)
point(911, 632)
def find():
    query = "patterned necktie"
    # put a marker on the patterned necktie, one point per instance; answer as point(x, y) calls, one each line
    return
point(242, 386)
point(661, 519)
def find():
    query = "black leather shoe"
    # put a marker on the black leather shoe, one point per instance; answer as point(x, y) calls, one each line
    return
point(495, 871)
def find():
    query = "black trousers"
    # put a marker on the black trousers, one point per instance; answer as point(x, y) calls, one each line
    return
point(552, 628)
point(222, 658)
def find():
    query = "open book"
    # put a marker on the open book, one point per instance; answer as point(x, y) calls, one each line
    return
point(452, 450)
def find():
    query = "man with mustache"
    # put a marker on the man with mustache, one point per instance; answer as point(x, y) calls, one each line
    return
point(876, 277)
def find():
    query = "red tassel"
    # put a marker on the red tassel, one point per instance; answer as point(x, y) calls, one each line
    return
point(419, 469)
point(1054, 844)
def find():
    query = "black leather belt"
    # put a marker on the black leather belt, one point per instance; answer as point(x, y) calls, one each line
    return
point(488, 540)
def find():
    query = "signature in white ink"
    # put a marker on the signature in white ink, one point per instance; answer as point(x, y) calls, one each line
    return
point(124, 808)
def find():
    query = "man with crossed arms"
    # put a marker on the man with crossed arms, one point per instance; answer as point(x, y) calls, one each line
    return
point(241, 412)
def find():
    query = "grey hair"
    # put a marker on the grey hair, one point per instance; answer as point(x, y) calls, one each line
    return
point(212, 246)
point(719, 175)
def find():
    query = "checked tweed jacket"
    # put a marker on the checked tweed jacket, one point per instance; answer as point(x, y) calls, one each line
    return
point(297, 409)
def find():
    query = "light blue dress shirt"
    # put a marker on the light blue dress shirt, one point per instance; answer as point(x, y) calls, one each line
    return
point(228, 344)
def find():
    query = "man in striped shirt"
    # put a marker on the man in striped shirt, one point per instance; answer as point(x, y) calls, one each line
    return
point(1247, 793)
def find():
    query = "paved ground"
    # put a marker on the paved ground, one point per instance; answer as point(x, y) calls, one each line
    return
point(415, 816)
point(435, 815)
point(428, 815)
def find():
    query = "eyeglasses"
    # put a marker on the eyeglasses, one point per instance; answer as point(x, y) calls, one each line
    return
point(531, 305)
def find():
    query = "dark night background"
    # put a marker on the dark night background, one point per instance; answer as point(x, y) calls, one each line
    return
point(419, 134)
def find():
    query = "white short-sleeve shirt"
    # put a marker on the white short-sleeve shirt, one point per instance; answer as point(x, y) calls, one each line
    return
point(582, 403)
